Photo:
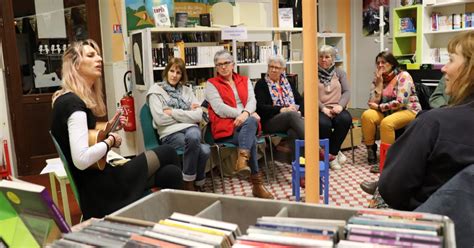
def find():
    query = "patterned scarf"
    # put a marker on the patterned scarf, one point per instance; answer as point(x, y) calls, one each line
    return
point(387, 78)
point(286, 98)
point(325, 75)
point(176, 100)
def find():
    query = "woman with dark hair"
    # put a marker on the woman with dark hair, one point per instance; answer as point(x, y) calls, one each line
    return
point(176, 114)
point(75, 109)
point(233, 118)
point(393, 104)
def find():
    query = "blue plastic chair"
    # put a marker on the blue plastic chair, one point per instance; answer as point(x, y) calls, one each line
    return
point(298, 171)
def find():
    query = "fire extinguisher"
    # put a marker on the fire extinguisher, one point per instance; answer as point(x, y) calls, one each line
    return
point(128, 107)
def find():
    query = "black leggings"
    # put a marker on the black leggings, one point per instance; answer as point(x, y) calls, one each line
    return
point(168, 174)
point(335, 129)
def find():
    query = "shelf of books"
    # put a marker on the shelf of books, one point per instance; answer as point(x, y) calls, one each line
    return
point(407, 34)
point(153, 47)
point(167, 218)
point(440, 22)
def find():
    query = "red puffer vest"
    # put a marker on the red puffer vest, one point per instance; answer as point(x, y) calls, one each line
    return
point(224, 127)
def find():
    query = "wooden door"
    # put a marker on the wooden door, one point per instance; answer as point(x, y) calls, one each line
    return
point(33, 72)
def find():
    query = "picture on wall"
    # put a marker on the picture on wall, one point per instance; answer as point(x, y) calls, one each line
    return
point(137, 47)
point(370, 13)
point(140, 12)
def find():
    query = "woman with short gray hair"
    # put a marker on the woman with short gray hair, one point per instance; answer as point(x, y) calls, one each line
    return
point(233, 117)
point(278, 102)
point(334, 94)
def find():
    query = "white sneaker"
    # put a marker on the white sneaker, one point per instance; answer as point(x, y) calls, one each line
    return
point(341, 158)
point(335, 164)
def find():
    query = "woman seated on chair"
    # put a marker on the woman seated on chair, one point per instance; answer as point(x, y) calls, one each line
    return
point(334, 120)
point(393, 104)
point(233, 118)
point(75, 109)
point(176, 114)
point(278, 103)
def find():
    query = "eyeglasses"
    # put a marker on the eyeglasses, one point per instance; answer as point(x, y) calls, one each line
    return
point(271, 67)
point(223, 64)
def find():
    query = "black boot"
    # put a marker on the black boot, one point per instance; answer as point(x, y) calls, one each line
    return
point(369, 187)
point(372, 154)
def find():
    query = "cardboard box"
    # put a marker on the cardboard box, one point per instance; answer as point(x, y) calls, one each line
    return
point(357, 132)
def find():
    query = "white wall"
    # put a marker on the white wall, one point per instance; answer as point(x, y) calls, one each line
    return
point(327, 16)
point(364, 49)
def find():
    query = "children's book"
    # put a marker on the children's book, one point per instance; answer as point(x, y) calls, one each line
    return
point(36, 209)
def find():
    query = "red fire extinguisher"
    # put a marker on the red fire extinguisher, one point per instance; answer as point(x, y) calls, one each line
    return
point(128, 107)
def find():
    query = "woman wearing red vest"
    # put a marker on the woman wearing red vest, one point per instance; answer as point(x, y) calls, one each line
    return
point(232, 108)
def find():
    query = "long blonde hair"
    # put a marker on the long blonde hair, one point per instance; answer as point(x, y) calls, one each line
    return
point(463, 85)
point(73, 81)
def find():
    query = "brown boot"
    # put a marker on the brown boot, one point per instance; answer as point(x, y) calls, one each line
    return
point(258, 189)
point(241, 167)
point(189, 185)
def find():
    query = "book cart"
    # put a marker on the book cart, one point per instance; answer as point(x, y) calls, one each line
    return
point(242, 211)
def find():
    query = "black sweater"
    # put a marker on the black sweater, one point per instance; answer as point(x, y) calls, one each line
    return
point(434, 148)
point(265, 108)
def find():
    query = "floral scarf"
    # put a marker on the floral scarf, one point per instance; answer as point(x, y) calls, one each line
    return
point(176, 100)
point(286, 98)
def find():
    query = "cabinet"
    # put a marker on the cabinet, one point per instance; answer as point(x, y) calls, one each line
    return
point(439, 27)
point(407, 34)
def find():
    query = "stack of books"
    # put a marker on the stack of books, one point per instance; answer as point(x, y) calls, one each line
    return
point(371, 228)
point(285, 232)
point(179, 230)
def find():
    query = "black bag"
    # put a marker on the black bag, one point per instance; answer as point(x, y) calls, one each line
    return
point(423, 92)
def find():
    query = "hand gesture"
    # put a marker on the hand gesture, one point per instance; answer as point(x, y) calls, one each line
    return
point(194, 106)
point(116, 139)
point(241, 119)
point(373, 105)
point(327, 112)
point(336, 109)
point(168, 111)
point(378, 76)
point(256, 116)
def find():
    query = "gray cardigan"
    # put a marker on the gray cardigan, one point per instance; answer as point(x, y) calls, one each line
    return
point(179, 119)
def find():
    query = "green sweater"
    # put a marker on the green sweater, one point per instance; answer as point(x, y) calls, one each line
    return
point(439, 98)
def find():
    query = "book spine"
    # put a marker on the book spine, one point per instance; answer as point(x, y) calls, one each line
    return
point(58, 216)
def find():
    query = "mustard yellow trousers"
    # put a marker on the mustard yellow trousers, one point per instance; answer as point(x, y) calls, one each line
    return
point(388, 124)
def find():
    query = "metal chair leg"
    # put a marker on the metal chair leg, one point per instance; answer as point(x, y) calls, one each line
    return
point(352, 145)
point(271, 156)
point(212, 176)
point(220, 168)
point(267, 174)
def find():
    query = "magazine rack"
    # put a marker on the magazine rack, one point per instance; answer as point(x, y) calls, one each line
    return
point(242, 211)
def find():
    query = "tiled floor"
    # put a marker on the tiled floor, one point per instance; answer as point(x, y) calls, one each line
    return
point(344, 187)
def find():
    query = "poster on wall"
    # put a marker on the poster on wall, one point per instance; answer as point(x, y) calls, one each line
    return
point(140, 12)
point(370, 13)
point(137, 47)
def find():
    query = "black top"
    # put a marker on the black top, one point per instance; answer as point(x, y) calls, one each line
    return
point(434, 148)
point(100, 192)
point(265, 108)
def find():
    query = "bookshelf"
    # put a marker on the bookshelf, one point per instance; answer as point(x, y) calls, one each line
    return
point(437, 33)
point(407, 45)
point(152, 47)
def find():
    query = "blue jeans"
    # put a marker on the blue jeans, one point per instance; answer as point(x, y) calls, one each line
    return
point(245, 138)
point(195, 153)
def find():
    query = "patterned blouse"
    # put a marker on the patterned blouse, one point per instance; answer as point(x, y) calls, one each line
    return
point(397, 95)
